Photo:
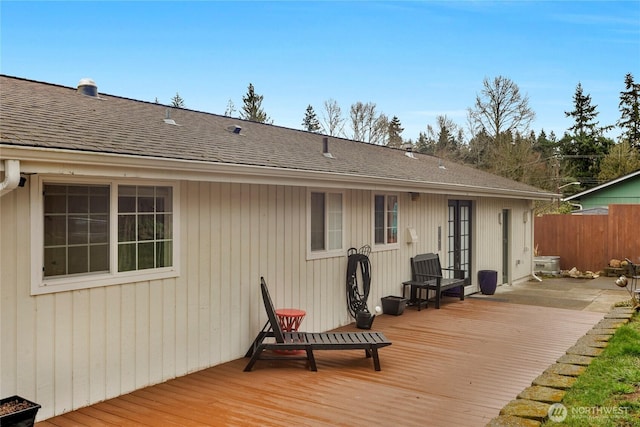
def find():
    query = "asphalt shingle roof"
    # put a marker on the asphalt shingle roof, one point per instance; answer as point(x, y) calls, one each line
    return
point(36, 114)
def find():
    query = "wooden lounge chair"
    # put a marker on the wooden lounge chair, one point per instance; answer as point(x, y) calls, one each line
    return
point(370, 342)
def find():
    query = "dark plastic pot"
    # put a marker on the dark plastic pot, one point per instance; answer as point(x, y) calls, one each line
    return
point(393, 305)
point(488, 280)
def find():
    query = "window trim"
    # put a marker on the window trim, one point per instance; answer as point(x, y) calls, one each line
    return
point(383, 246)
point(325, 253)
point(41, 285)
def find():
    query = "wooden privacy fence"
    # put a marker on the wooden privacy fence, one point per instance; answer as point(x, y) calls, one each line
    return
point(588, 242)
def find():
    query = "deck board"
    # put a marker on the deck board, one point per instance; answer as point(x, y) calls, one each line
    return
point(457, 366)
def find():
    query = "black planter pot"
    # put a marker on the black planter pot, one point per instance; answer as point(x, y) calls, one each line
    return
point(488, 280)
point(22, 418)
point(393, 305)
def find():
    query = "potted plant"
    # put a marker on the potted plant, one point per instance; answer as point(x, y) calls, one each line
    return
point(18, 412)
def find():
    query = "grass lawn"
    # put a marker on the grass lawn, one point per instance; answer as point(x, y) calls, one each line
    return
point(608, 392)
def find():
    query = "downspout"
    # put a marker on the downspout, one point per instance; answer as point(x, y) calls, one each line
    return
point(533, 263)
point(11, 176)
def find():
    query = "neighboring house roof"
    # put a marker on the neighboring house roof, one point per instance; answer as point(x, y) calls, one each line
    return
point(604, 186)
point(600, 210)
point(44, 121)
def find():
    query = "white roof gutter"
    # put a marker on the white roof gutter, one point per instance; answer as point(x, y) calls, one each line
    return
point(11, 176)
point(39, 160)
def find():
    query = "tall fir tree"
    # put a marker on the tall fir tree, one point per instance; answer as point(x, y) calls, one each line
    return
point(393, 133)
point(310, 122)
point(584, 145)
point(252, 108)
point(448, 136)
point(424, 145)
point(584, 114)
point(629, 106)
point(177, 101)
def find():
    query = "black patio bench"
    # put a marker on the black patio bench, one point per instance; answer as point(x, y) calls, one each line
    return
point(426, 275)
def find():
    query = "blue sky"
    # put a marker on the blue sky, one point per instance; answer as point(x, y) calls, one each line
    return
point(413, 59)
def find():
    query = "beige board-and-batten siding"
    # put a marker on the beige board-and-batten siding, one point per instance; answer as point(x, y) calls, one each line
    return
point(69, 349)
point(487, 247)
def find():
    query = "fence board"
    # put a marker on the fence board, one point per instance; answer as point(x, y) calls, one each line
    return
point(588, 242)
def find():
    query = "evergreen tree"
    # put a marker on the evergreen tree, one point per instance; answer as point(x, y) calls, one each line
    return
point(584, 115)
point(252, 108)
point(584, 145)
point(630, 112)
point(177, 101)
point(423, 145)
point(393, 133)
point(546, 146)
point(310, 122)
point(449, 137)
point(479, 151)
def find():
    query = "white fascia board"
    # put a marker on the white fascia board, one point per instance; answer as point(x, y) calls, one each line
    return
point(601, 186)
point(70, 162)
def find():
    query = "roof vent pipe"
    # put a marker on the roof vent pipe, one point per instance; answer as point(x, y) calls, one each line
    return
point(88, 87)
point(325, 148)
point(408, 150)
point(167, 118)
point(11, 176)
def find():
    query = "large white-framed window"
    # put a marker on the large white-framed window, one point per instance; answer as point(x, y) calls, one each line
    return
point(385, 221)
point(325, 219)
point(89, 233)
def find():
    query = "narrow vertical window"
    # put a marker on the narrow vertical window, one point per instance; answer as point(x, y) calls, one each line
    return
point(76, 229)
point(385, 219)
point(317, 221)
point(145, 235)
point(334, 221)
point(392, 219)
point(378, 226)
point(326, 221)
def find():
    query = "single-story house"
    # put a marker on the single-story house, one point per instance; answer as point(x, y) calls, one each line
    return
point(133, 235)
point(620, 191)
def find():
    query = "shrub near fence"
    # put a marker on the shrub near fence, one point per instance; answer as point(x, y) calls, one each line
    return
point(588, 242)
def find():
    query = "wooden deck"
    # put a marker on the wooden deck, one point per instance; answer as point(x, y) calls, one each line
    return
point(457, 366)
